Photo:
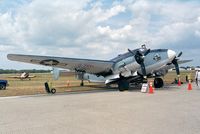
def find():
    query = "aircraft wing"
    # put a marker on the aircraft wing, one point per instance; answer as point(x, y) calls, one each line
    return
point(17, 77)
point(32, 76)
point(85, 65)
point(164, 68)
point(183, 61)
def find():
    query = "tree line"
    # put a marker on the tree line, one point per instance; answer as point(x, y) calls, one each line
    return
point(9, 71)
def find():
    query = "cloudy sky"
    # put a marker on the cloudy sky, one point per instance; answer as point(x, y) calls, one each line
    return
point(97, 29)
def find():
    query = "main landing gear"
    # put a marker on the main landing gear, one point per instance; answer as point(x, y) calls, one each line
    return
point(158, 82)
point(124, 84)
point(82, 83)
point(80, 76)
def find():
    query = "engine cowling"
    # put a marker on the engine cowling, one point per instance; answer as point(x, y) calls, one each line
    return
point(161, 72)
point(90, 77)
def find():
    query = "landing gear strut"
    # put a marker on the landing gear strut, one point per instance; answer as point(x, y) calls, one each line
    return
point(158, 83)
point(82, 83)
point(81, 75)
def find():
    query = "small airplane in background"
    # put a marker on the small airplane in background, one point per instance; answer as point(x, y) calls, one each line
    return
point(23, 76)
point(132, 67)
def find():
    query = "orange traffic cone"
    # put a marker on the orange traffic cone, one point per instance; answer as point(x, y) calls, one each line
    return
point(179, 81)
point(151, 90)
point(189, 85)
point(68, 83)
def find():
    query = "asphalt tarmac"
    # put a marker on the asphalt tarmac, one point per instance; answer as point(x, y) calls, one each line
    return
point(171, 110)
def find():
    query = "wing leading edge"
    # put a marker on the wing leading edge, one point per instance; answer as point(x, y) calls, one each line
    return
point(84, 65)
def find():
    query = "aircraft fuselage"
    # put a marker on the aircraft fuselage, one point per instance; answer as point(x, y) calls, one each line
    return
point(126, 65)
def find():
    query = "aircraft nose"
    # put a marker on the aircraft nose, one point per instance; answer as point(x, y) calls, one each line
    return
point(171, 54)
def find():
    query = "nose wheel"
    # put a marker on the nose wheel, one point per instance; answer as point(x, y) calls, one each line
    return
point(158, 82)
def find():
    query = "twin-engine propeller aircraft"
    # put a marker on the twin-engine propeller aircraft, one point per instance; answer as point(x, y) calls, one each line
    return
point(133, 67)
point(23, 76)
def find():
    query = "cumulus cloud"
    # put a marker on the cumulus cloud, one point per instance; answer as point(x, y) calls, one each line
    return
point(116, 34)
point(84, 28)
point(56, 23)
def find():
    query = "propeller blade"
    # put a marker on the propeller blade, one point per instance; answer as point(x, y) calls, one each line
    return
point(176, 66)
point(140, 60)
point(177, 69)
point(130, 51)
point(139, 57)
point(147, 52)
point(180, 54)
point(143, 69)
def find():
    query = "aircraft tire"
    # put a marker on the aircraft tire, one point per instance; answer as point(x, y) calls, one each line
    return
point(158, 83)
point(2, 87)
point(53, 90)
point(82, 84)
point(123, 85)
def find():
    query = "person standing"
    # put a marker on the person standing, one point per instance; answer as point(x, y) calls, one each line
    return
point(197, 77)
point(186, 79)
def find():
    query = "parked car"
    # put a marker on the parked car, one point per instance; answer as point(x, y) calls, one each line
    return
point(3, 84)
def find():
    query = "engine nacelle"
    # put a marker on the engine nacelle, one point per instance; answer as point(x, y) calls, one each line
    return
point(161, 72)
point(90, 77)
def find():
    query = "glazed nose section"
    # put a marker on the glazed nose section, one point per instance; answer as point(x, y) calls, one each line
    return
point(171, 54)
